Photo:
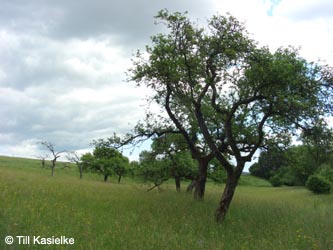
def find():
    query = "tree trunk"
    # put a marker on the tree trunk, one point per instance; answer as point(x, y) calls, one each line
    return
point(52, 168)
point(190, 187)
point(177, 180)
point(200, 184)
point(79, 165)
point(106, 178)
point(228, 194)
point(119, 178)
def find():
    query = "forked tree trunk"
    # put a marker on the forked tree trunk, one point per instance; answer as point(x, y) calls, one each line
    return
point(200, 184)
point(190, 186)
point(228, 194)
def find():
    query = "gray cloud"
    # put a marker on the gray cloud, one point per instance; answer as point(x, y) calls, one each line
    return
point(62, 67)
point(130, 21)
point(70, 122)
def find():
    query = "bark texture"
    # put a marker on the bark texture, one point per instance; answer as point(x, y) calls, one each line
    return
point(228, 194)
point(200, 184)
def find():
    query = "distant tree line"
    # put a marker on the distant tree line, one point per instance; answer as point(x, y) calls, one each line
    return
point(297, 164)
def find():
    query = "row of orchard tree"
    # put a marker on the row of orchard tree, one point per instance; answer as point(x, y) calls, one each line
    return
point(103, 160)
point(167, 159)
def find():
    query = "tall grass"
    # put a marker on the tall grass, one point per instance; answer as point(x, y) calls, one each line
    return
point(124, 216)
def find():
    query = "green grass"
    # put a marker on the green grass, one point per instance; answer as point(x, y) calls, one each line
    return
point(249, 180)
point(124, 216)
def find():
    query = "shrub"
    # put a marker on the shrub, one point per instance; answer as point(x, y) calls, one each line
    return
point(326, 171)
point(289, 179)
point(276, 181)
point(318, 184)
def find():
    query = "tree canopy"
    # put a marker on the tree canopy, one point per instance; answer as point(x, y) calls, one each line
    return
point(169, 158)
point(105, 160)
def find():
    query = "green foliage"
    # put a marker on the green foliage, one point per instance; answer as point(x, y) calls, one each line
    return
point(299, 165)
point(106, 161)
point(169, 158)
point(153, 171)
point(276, 181)
point(292, 166)
point(156, 168)
point(216, 172)
point(319, 141)
point(318, 184)
point(289, 176)
point(255, 170)
point(270, 161)
point(326, 171)
point(217, 175)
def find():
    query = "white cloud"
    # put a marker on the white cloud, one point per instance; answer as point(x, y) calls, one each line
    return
point(243, 10)
point(25, 148)
point(97, 61)
point(307, 10)
point(306, 24)
point(303, 24)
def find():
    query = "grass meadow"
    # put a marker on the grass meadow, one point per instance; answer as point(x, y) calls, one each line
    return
point(109, 215)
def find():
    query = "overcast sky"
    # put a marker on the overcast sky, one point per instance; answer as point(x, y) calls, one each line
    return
point(63, 63)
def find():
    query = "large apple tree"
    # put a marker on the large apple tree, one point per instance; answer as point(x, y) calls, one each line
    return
point(238, 96)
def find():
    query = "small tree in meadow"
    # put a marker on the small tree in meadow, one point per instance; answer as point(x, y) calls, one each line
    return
point(75, 158)
point(55, 154)
point(42, 159)
point(106, 161)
